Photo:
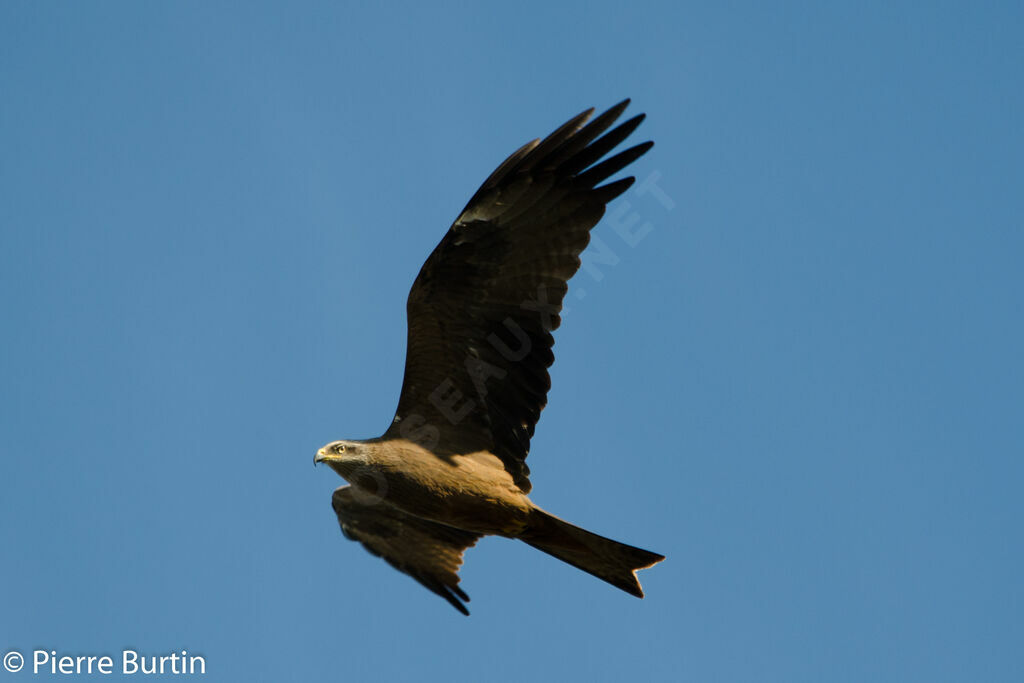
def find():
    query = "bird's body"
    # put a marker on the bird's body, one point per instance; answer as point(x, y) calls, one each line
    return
point(470, 491)
point(451, 467)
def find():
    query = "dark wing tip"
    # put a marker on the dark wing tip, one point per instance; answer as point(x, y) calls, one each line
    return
point(449, 591)
point(458, 605)
point(462, 608)
point(453, 595)
point(613, 112)
point(612, 165)
point(607, 193)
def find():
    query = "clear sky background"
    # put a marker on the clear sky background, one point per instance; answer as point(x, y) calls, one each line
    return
point(804, 385)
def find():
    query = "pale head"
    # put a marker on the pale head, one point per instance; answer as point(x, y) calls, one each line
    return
point(341, 452)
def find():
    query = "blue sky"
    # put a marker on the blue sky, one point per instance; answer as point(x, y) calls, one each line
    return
point(803, 385)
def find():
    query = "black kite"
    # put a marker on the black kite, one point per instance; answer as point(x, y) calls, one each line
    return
point(451, 468)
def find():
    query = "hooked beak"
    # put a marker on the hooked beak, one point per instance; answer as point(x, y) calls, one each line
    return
point(321, 456)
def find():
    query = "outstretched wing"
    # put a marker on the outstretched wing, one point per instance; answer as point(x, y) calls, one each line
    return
point(427, 551)
point(483, 307)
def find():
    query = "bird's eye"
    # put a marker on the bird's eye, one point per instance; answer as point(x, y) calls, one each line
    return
point(339, 448)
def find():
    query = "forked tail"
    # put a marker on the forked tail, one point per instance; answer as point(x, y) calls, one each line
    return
point(606, 559)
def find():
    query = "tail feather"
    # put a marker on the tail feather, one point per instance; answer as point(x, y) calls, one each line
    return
point(608, 560)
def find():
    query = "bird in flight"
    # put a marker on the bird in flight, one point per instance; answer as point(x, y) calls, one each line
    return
point(451, 468)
